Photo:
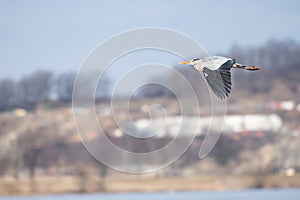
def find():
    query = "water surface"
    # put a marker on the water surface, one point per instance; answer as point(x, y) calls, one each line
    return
point(277, 194)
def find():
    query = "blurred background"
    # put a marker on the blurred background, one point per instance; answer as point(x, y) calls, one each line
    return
point(44, 43)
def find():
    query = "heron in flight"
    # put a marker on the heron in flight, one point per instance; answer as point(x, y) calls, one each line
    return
point(216, 70)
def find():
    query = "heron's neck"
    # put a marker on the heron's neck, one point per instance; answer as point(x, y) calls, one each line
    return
point(198, 67)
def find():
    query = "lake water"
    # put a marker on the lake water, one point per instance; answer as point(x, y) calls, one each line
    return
point(280, 194)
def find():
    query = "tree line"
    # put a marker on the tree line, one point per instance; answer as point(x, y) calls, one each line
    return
point(39, 86)
point(279, 60)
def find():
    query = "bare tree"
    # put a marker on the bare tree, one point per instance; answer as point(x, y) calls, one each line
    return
point(103, 89)
point(35, 88)
point(7, 91)
point(31, 143)
point(64, 86)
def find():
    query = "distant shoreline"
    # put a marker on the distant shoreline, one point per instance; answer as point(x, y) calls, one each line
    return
point(71, 184)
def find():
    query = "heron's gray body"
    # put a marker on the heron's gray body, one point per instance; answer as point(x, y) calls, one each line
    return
point(216, 70)
point(212, 62)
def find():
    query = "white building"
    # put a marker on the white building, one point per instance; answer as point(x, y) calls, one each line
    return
point(189, 126)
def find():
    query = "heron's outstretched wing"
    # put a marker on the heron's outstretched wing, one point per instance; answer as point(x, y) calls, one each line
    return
point(220, 79)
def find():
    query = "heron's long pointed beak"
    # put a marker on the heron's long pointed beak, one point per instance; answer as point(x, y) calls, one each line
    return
point(185, 63)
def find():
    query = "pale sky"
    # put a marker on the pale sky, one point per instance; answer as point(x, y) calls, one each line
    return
point(58, 35)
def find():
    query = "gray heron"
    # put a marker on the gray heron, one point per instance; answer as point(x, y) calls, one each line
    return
point(216, 70)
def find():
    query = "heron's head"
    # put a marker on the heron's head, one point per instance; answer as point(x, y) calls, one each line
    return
point(194, 62)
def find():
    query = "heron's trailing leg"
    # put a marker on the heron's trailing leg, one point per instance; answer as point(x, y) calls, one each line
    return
point(253, 68)
point(239, 66)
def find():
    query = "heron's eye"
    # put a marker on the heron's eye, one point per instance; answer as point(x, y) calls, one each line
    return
point(195, 59)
